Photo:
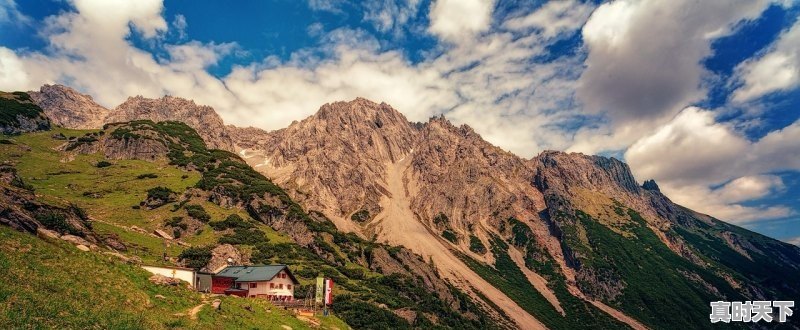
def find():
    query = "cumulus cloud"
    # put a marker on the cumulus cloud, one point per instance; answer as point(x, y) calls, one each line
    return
point(707, 200)
point(644, 57)
point(390, 15)
point(672, 151)
point(460, 20)
point(10, 14)
point(750, 187)
point(778, 69)
point(693, 153)
point(12, 71)
point(553, 18)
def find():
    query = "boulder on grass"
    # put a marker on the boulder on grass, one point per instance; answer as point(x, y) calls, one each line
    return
point(163, 280)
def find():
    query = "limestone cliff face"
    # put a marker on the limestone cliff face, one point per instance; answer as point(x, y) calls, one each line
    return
point(68, 108)
point(336, 159)
point(250, 137)
point(200, 117)
point(574, 175)
point(458, 174)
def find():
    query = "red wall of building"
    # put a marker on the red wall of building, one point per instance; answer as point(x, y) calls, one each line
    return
point(220, 284)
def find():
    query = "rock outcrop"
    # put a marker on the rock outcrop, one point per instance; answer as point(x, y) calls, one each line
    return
point(457, 173)
point(68, 108)
point(19, 114)
point(202, 118)
point(359, 137)
point(21, 210)
point(224, 255)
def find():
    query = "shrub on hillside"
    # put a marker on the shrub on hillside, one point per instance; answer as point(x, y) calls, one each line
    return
point(243, 236)
point(147, 176)
point(450, 235)
point(196, 257)
point(159, 196)
point(360, 216)
point(102, 164)
point(232, 221)
point(57, 221)
point(197, 212)
point(475, 245)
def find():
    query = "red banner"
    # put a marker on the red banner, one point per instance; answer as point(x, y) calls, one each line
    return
point(328, 291)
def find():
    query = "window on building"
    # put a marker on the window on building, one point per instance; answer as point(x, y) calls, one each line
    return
point(289, 286)
point(280, 286)
point(253, 285)
point(272, 285)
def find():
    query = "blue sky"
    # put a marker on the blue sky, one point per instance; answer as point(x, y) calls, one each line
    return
point(701, 96)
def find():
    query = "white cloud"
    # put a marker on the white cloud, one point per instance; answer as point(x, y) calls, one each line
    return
point(12, 71)
point(390, 15)
point(10, 14)
point(553, 18)
point(705, 200)
point(180, 25)
point(333, 6)
point(194, 56)
point(693, 153)
point(750, 187)
point(460, 20)
point(778, 69)
point(689, 148)
point(644, 57)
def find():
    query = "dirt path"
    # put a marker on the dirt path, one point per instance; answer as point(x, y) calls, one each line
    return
point(196, 309)
point(536, 280)
point(399, 226)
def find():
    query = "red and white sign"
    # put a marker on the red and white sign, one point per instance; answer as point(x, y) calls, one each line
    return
point(328, 291)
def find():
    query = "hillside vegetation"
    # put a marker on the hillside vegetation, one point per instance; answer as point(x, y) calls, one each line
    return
point(211, 197)
point(54, 285)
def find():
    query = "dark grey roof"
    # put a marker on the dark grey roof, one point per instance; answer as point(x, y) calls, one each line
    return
point(255, 273)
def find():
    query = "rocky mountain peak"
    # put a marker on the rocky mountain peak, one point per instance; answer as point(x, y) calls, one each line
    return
point(361, 113)
point(651, 185)
point(559, 170)
point(442, 123)
point(69, 108)
point(466, 178)
point(360, 136)
point(168, 108)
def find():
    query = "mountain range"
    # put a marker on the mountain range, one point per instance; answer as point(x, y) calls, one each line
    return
point(560, 240)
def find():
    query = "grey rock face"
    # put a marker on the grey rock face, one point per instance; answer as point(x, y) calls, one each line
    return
point(202, 118)
point(68, 108)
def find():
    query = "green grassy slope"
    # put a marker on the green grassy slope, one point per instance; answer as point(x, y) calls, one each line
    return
point(112, 195)
point(507, 277)
point(54, 285)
